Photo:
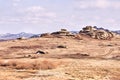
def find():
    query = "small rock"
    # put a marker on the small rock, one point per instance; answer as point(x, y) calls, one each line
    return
point(21, 38)
point(61, 46)
point(41, 52)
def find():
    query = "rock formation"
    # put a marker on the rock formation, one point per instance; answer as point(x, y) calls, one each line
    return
point(61, 33)
point(97, 33)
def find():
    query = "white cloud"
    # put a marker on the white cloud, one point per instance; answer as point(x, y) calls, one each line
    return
point(7, 20)
point(15, 2)
point(34, 9)
point(37, 11)
point(32, 14)
point(101, 4)
point(111, 21)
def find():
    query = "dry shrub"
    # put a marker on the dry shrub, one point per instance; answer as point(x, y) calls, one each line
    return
point(44, 65)
point(48, 65)
point(7, 63)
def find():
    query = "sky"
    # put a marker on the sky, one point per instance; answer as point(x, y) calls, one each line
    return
point(38, 16)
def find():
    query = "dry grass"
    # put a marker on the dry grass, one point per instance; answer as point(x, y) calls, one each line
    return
point(86, 59)
point(35, 64)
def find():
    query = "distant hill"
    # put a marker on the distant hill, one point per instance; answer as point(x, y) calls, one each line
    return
point(9, 36)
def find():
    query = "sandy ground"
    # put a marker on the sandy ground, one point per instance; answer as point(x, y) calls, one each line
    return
point(85, 59)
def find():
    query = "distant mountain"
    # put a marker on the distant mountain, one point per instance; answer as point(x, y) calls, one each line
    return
point(9, 36)
point(74, 32)
point(118, 31)
point(36, 36)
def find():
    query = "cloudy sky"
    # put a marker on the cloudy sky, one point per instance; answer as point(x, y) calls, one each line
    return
point(36, 16)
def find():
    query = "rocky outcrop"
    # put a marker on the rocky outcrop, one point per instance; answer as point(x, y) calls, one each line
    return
point(46, 35)
point(61, 33)
point(97, 33)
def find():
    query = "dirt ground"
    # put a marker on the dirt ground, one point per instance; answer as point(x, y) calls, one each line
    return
point(63, 59)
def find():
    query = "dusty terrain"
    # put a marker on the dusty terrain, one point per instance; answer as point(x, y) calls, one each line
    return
point(65, 59)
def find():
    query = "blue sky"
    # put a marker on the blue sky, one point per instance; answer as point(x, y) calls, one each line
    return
point(37, 16)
